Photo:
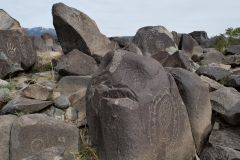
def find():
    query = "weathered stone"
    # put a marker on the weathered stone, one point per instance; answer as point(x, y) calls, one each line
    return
point(16, 52)
point(179, 59)
point(220, 65)
point(176, 37)
point(154, 39)
point(233, 81)
point(34, 133)
point(200, 36)
point(219, 153)
point(3, 82)
point(6, 122)
point(76, 63)
point(71, 114)
point(215, 73)
point(226, 102)
point(53, 153)
point(190, 46)
point(236, 71)
point(212, 84)
point(161, 56)
point(62, 102)
point(233, 49)
point(127, 45)
point(212, 57)
point(233, 60)
point(55, 113)
point(25, 105)
point(75, 30)
point(7, 22)
point(132, 97)
point(71, 84)
point(37, 91)
point(195, 95)
point(229, 137)
point(4, 97)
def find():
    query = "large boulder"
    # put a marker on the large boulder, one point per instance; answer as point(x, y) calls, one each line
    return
point(24, 105)
point(201, 37)
point(7, 22)
point(219, 153)
point(226, 103)
point(233, 49)
point(154, 39)
point(233, 60)
point(229, 137)
point(76, 63)
point(196, 97)
point(75, 30)
point(212, 84)
point(6, 122)
point(34, 133)
point(134, 111)
point(212, 57)
point(17, 52)
point(216, 73)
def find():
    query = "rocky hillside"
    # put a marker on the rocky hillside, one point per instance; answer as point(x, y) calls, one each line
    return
point(159, 95)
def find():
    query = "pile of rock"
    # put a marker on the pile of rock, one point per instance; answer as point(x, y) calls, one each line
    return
point(159, 95)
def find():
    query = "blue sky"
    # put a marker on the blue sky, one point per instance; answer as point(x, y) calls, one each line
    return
point(121, 17)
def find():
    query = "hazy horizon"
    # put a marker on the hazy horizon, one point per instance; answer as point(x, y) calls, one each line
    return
point(116, 18)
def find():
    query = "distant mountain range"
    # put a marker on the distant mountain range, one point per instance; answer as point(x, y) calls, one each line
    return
point(38, 31)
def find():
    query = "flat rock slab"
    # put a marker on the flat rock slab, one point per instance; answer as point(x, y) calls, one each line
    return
point(35, 133)
point(8, 22)
point(226, 103)
point(76, 63)
point(25, 105)
point(6, 122)
point(76, 30)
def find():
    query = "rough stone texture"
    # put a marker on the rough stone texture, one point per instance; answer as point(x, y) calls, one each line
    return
point(212, 57)
point(37, 91)
point(233, 81)
point(32, 134)
point(226, 102)
point(215, 73)
point(25, 105)
point(213, 85)
point(233, 60)
point(190, 46)
point(76, 63)
point(220, 65)
point(127, 45)
point(201, 37)
point(179, 59)
point(71, 114)
point(71, 84)
point(55, 113)
point(5, 130)
point(229, 137)
point(196, 97)
point(75, 30)
point(16, 52)
point(233, 49)
point(176, 37)
point(219, 153)
point(8, 22)
point(53, 153)
point(134, 108)
point(62, 102)
point(4, 96)
point(161, 56)
point(154, 39)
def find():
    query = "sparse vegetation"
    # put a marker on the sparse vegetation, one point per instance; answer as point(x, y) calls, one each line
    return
point(10, 86)
point(86, 151)
point(230, 37)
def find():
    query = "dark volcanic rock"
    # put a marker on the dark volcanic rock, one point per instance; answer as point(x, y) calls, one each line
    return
point(226, 102)
point(196, 97)
point(219, 153)
point(134, 111)
point(229, 137)
point(154, 39)
point(176, 37)
point(16, 51)
point(212, 57)
point(180, 60)
point(76, 63)
point(233, 49)
point(233, 60)
point(7, 22)
point(200, 36)
point(25, 105)
point(34, 133)
point(233, 81)
point(213, 72)
point(75, 30)
point(6, 122)
point(161, 56)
